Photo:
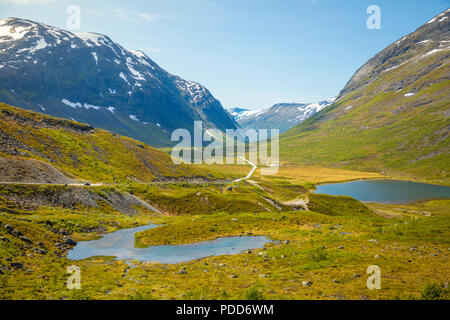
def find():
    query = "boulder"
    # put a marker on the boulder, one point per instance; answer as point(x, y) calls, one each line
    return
point(182, 271)
point(4, 239)
point(17, 233)
point(70, 242)
point(16, 265)
point(40, 251)
point(307, 283)
point(25, 239)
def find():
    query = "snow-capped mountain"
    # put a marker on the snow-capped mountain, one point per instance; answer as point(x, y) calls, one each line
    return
point(242, 114)
point(282, 116)
point(89, 78)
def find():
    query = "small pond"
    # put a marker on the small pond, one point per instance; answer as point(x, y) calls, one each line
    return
point(120, 244)
point(386, 191)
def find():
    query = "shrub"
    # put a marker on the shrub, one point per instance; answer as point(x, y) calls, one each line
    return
point(79, 295)
point(434, 291)
point(318, 254)
point(254, 293)
point(140, 295)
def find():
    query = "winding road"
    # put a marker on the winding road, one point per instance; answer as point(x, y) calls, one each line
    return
point(78, 184)
point(251, 171)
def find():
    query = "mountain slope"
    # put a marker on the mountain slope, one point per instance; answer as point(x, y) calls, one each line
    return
point(282, 116)
point(89, 78)
point(36, 148)
point(392, 116)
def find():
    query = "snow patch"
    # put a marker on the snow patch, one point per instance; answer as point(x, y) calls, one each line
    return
point(438, 16)
point(15, 33)
point(331, 100)
point(41, 44)
point(94, 54)
point(191, 88)
point(71, 104)
point(123, 77)
point(251, 113)
point(432, 52)
point(90, 106)
point(91, 39)
point(136, 74)
point(79, 105)
point(401, 40)
point(138, 54)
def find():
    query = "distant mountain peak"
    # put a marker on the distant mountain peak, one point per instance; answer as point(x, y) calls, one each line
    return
point(282, 116)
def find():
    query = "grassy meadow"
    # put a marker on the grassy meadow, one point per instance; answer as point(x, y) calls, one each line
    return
point(319, 253)
point(321, 246)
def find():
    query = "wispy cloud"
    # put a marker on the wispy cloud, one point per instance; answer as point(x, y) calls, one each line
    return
point(27, 1)
point(133, 15)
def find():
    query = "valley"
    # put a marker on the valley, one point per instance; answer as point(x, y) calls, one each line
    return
point(85, 185)
point(320, 245)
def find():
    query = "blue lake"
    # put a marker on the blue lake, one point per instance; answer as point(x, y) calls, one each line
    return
point(386, 191)
point(120, 244)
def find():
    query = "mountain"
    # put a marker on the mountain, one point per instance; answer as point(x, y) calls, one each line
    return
point(393, 115)
point(240, 113)
point(38, 148)
point(91, 79)
point(282, 116)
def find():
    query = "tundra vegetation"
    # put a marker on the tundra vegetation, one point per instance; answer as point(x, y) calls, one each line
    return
point(321, 245)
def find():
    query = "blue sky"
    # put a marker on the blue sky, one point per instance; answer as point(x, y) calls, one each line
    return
point(248, 53)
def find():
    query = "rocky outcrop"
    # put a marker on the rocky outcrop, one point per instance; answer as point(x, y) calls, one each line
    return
point(30, 171)
point(70, 197)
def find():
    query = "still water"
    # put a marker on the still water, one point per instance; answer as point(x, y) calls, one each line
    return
point(386, 191)
point(120, 244)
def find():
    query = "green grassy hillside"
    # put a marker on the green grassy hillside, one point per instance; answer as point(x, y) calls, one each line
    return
point(81, 151)
point(393, 116)
point(330, 246)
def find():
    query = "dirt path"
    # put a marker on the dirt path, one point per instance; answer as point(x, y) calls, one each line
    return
point(146, 204)
point(54, 184)
point(250, 173)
